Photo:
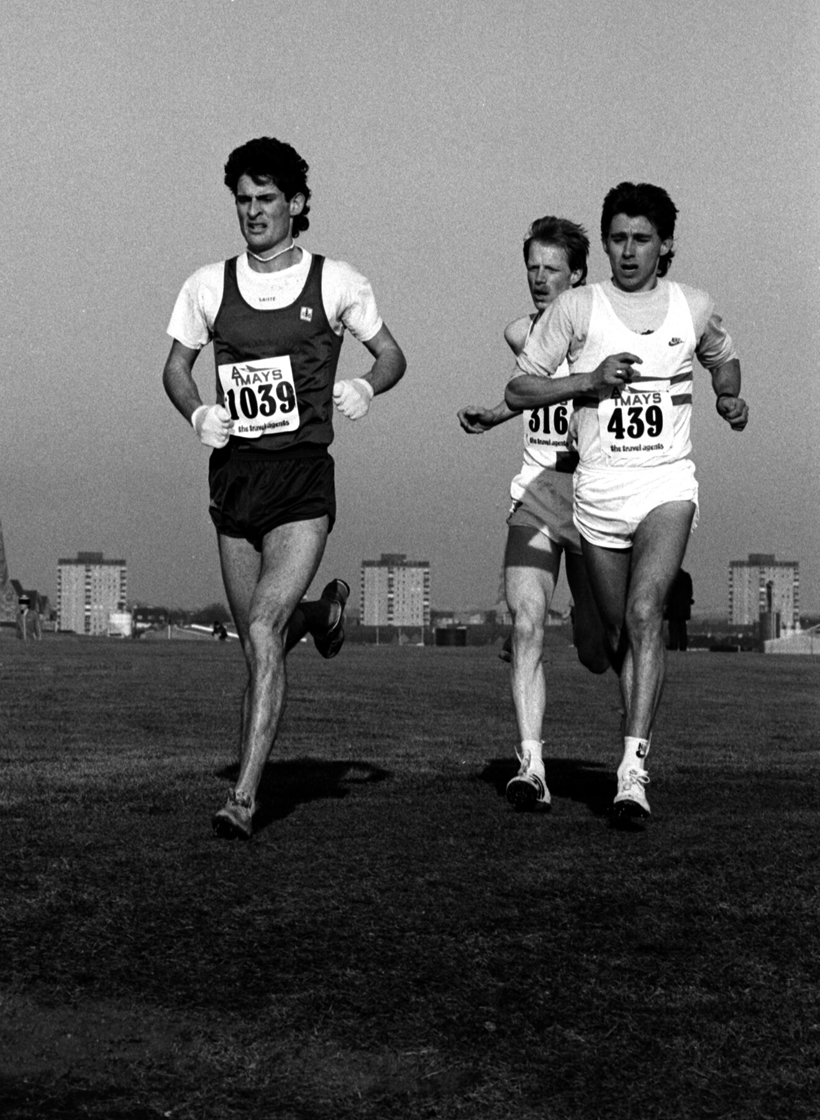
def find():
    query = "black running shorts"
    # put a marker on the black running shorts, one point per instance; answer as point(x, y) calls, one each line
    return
point(253, 492)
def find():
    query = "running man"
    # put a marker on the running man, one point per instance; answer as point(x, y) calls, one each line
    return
point(276, 315)
point(540, 521)
point(636, 497)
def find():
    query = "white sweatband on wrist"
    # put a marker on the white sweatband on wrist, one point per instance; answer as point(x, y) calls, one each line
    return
point(212, 423)
point(195, 413)
point(352, 398)
point(366, 386)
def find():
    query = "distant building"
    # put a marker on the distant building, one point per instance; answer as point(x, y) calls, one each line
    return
point(12, 592)
point(8, 594)
point(749, 582)
point(395, 591)
point(89, 590)
point(150, 618)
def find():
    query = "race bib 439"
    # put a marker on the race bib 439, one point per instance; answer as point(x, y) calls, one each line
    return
point(636, 428)
point(260, 396)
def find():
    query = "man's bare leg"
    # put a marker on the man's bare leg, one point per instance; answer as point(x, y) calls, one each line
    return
point(588, 630)
point(264, 589)
point(658, 551)
point(531, 565)
point(631, 587)
point(318, 617)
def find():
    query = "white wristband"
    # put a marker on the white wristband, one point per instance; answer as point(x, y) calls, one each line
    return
point(365, 386)
point(195, 413)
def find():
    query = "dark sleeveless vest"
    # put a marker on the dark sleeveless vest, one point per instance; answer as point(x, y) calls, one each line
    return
point(301, 330)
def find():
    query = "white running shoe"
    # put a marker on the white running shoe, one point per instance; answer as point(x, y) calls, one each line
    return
point(630, 800)
point(528, 789)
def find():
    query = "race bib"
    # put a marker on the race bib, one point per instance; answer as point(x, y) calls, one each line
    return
point(636, 427)
point(548, 426)
point(260, 396)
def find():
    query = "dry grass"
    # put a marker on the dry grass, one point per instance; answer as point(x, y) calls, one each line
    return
point(396, 942)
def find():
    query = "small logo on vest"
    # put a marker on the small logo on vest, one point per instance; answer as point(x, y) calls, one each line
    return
point(675, 341)
point(306, 313)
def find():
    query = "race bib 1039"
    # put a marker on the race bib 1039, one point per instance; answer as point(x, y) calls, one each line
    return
point(260, 396)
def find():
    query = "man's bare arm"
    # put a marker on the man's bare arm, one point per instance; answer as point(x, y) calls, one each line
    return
point(477, 420)
point(516, 334)
point(178, 380)
point(530, 390)
point(390, 364)
point(729, 403)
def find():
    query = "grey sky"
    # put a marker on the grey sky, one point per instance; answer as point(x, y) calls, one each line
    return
point(435, 133)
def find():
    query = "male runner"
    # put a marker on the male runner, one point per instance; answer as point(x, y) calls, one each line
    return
point(635, 489)
point(678, 611)
point(276, 315)
point(540, 520)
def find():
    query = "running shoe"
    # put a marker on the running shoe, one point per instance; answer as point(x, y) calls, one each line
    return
point(630, 801)
point(331, 641)
point(528, 789)
point(506, 651)
point(233, 822)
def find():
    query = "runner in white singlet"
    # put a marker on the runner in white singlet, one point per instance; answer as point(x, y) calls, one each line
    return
point(635, 489)
point(540, 521)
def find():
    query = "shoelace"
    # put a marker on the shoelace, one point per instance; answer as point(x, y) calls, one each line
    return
point(243, 802)
point(635, 777)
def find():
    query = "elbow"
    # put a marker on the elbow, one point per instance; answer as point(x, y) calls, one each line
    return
point(513, 399)
point(169, 380)
point(398, 365)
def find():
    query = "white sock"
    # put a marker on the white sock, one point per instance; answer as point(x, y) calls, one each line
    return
point(635, 752)
point(532, 747)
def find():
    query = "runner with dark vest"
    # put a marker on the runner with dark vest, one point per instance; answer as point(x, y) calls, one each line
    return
point(276, 315)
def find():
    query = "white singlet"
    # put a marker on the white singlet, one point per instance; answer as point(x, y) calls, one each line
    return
point(634, 441)
point(645, 423)
point(542, 490)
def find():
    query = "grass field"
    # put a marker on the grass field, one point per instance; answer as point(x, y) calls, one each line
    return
point(395, 941)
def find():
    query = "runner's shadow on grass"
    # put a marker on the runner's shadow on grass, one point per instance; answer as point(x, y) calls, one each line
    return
point(571, 779)
point(296, 781)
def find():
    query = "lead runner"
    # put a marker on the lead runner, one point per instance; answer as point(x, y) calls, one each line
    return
point(276, 315)
point(636, 497)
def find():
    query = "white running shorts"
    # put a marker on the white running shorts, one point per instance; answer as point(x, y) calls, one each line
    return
point(611, 504)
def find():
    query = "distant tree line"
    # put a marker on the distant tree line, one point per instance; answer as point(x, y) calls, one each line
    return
point(177, 616)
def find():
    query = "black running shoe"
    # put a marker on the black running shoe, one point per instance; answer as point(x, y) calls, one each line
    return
point(331, 641)
point(528, 790)
point(233, 822)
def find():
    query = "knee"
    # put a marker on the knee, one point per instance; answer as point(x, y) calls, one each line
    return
point(264, 646)
point(644, 617)
point(528, 631)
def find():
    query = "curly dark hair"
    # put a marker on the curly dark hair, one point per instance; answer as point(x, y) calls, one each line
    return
point(565, 235)
point(642, 200)
point(269, 160)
